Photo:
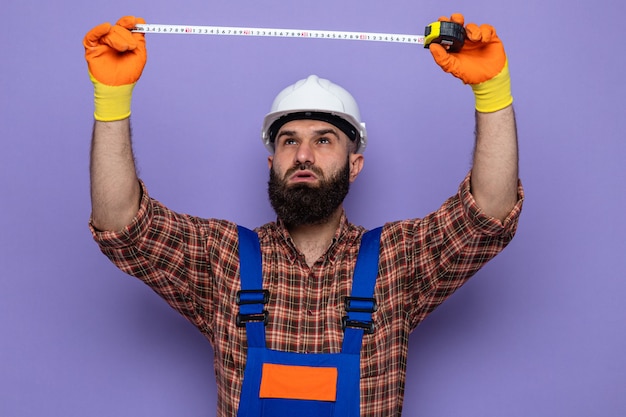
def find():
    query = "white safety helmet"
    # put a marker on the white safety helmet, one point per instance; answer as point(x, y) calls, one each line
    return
point(318, 99)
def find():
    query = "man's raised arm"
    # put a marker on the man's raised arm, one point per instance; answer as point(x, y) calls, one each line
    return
point(482, 63)
point(116, 58)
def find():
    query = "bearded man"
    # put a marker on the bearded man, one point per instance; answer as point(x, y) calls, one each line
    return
point(313, 347)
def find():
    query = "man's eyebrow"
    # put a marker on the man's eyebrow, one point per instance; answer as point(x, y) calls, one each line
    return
point(284, 133)
point(322, 132)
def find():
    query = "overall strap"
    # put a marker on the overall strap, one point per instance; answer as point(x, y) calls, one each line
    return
point(361, 303)
point(252, 298)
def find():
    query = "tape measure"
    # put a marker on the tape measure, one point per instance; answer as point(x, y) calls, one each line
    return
point(451, 35)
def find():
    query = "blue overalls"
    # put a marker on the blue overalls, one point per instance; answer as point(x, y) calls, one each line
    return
point(288, 384)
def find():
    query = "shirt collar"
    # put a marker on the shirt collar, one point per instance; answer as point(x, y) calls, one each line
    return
point(332, 251)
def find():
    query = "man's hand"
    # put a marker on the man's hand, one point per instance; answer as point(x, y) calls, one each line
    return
point(115, 58)
point(481, 62)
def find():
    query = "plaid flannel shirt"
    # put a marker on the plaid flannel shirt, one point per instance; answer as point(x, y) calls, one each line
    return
point(193, 264)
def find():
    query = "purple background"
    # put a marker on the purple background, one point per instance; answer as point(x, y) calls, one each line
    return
point(540, 331)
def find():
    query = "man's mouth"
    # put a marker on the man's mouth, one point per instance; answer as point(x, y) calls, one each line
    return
point(303, 176)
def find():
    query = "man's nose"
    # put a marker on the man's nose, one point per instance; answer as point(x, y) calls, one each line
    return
point(304, 154)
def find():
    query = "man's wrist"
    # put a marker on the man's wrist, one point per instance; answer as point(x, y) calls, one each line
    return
point(494, 94)
point(111, 102)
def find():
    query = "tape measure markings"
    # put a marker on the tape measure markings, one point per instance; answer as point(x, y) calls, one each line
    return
point(278, 33)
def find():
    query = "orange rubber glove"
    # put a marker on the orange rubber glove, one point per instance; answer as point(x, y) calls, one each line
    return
point(115, 58)
point(481, 62)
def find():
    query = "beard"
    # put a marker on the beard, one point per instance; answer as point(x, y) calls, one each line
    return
point(304, 204)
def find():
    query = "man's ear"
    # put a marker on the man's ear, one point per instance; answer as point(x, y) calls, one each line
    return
point(356, 165)
point(270, 161)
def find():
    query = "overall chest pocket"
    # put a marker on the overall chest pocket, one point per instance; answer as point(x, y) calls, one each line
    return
point(285, 384)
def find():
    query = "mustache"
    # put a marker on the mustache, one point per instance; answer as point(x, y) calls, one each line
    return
point(304, 166)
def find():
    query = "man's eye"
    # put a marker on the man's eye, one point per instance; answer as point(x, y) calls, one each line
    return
point(323, 140)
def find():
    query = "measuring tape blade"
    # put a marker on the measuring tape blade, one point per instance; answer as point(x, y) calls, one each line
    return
point(278, 33)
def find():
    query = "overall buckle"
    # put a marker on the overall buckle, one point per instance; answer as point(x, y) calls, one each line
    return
point(367, 327)
point(359, 305)
point(246, 297)
point(242, 319)
point(250, 297)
